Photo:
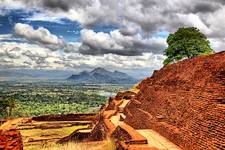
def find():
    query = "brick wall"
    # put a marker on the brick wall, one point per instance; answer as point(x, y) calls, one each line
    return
point(186, 102)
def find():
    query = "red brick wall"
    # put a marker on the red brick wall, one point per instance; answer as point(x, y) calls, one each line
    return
point(187, 103)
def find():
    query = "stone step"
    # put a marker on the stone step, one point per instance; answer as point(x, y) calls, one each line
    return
point(109, 113)
point(157, 141)
point(136, 138)
point(122, 116)
point(142, 147)
point(110, 126)
point(84, 130)
point(123, 105)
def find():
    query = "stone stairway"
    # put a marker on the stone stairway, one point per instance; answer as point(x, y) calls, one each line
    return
point(158, 141)
point(136, 137)
point(111, 122)
point(128, 137)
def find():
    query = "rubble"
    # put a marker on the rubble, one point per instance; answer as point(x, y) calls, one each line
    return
point(10, 140)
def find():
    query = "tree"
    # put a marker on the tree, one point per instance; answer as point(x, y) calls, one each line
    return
point(6, 107)
point(186, 43)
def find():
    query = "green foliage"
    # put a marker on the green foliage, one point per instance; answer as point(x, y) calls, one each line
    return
point(186, 43)
point(6, 107)
point(35, 99)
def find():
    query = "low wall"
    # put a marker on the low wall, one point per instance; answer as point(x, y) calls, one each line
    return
point(68, 117)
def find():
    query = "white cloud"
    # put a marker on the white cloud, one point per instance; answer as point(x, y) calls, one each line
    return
point(147, 16)
point(194, 20)
point(43, 17)
point(131, 17)
point(16, 55)
point(216, 22)
point(5, 36)
point(218, 44)
point(128, 47)
point(43, 37)
point(11, 4)
point(41, 34)
point(98, 43)
point(13, 53)
point(151, 15)
point(21, 53)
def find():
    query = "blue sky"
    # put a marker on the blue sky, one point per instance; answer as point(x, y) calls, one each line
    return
point(129, 36)
point(69, 30)
point(65, 28)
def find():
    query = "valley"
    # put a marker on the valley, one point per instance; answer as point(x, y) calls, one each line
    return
point(43, 97)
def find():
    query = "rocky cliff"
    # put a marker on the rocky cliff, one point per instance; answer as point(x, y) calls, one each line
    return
point(184, 102)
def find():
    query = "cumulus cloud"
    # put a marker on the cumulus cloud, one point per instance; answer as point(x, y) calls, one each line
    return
point(147, 14)
point(58, 4)
point(40, 35)
point(24, 55)
point(130, 16)
point(133, 44)
point(43, 37)
point(98, 43)
point(13, 53)
point(215, 22)
point(112, 61)
point(94, 43)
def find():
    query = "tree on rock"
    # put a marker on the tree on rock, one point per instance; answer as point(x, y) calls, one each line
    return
point(186, 43)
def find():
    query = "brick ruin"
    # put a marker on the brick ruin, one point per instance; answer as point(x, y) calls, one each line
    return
point(185, 102)
point(10, 140)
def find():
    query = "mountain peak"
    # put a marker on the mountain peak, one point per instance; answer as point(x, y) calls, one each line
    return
point(99, 70)
point(101, 75)
point(83, 72)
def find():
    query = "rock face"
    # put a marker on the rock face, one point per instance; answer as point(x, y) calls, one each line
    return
point(185, 102)
point(10, 140)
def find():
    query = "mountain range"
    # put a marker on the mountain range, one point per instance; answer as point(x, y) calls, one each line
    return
point(101, 75)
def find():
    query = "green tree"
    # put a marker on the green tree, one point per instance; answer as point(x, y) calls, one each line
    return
point(6, 107)
point(186, 43)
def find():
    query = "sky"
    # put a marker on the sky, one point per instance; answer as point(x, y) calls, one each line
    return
point(124, 35)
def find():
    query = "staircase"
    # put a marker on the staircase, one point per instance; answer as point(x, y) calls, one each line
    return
point(129, 138)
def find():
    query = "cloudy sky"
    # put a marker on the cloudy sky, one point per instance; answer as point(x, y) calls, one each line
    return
point(126, 35)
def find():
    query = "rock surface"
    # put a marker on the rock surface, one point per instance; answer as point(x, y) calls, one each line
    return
point(185, 102)
point(10, 140)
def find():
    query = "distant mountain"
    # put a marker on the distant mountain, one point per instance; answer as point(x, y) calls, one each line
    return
point(34, 74)
point(101, 75)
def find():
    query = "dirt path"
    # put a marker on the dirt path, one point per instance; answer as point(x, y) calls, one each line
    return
point(10, 124)
point(157, 141)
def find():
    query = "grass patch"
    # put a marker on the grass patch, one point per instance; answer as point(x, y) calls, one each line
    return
point(36, 139)
point(60, 131)
point(102, 145)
